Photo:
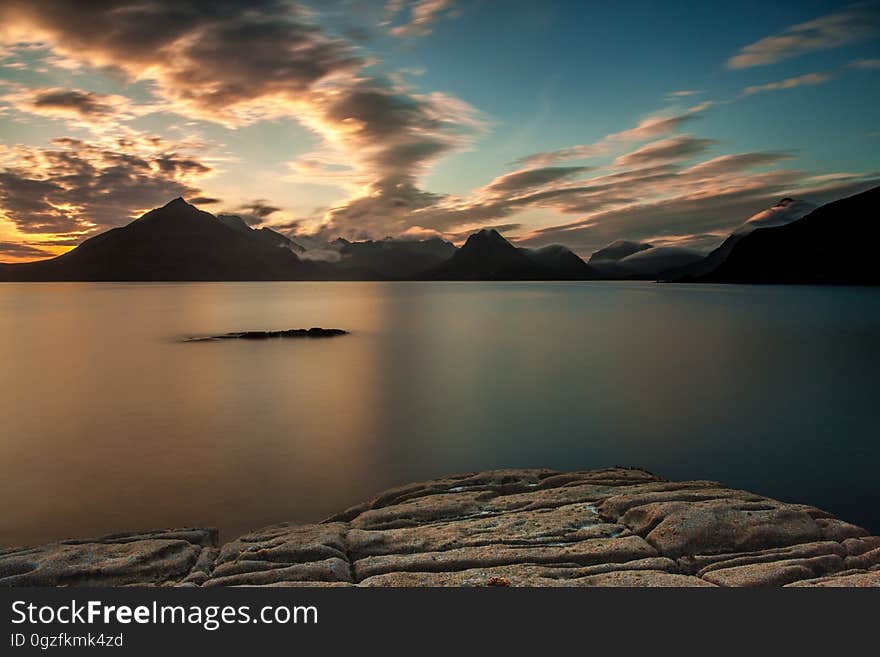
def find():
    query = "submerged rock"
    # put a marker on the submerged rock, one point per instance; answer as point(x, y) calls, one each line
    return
point(610, 527)
point(314, 332)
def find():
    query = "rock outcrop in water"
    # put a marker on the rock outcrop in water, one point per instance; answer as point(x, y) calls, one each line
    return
point(612, 527)
point(313, 332)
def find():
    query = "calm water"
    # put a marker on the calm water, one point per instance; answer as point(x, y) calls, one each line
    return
point(108, 422)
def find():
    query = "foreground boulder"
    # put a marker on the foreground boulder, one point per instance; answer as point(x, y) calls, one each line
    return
point(611, 527)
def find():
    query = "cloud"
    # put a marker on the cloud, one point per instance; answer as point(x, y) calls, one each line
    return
point(662, 200)
point(219, 59)
point(727, 164)
point(683, 93)
point(78, 187)
point(789, 83)
point(420, 233)
point(866, 64)
point(321, 255)
point(71, 101)
point(422, 16)
point(17, 250)
point(695, 215)
point(204, 200)
point(653, 126)
point(236, 62)
point(99, 113)
point(259, 209)
point(529, 178)
point(831, 31)
point(680, 147)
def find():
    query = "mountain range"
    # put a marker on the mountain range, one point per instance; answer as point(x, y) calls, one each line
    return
point(790, 242)
point(834, 244)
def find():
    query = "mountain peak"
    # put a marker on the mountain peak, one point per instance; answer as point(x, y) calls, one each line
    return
point(178, 202)
point(487, 237)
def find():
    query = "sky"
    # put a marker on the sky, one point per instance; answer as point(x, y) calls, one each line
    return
point(555, 122)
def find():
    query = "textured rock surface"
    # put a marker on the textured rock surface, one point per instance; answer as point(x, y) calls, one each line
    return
point(173, 557)
point(611, 527)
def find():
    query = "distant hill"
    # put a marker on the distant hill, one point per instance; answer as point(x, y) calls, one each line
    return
point(393, 258)
point(624, 260)
point(487, 256)
point(176, 242)
point(563, 262)
point(618, 250)
point(833, 244)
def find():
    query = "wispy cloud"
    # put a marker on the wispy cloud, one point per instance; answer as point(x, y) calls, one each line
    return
point(694, 213)
point(680, 147)
point(789, 83)
point(257, 211)
point(422, 15)
point(729, 164)
point(653, 126)
point(525, 179)
point(18, 250)
point(684, 93)
point(831, 31)
point(866, 64)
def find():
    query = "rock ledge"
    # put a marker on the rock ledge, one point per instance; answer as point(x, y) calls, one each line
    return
point(610, 527)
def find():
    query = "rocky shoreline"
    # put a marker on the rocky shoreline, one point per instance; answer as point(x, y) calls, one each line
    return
point(610, 527)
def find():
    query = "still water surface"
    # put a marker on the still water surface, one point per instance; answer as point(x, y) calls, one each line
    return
point(109, 422)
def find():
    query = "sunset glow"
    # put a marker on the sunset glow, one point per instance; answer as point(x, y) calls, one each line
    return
point(374, 119)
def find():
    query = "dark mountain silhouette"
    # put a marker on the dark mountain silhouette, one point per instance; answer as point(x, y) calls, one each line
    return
point(267, 235)
point(393, 258)
point(487, 256)
point(562, 261)
point(831, 244)
point(783, 212)
point(646, 263)
point(175, 242)
point(834, 244)
point(652, 263)
point(618, 250)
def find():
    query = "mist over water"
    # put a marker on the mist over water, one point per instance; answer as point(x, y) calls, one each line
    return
point(109, 422)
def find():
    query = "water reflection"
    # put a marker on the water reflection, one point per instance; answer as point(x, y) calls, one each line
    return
point(109, 422)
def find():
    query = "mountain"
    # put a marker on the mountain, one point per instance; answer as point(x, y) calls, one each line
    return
point(487, 256)
point(618, 250)
point(176, 242)
point(651, 263)
point(833, 244)
point(788, 243)
point(643, 262)
point(394, 258)
point(562, 261)
point(267, 235)
point(780, 214)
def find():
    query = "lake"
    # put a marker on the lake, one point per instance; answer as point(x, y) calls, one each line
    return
point(110, 422)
